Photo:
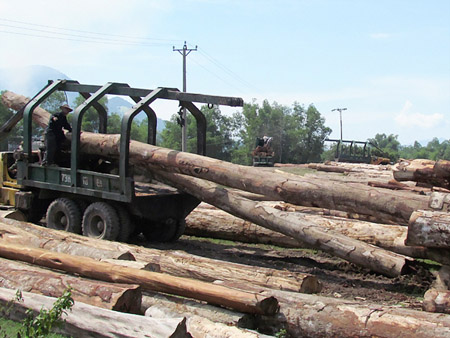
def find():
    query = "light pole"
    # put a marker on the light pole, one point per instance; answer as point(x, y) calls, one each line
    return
point(340, 116)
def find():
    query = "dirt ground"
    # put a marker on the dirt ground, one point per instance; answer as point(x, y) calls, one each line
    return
point(340, 279)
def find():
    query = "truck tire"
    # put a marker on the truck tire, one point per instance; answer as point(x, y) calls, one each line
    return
point(126, 226)
point(64, 214)
point(100, 220)
point(168, 231)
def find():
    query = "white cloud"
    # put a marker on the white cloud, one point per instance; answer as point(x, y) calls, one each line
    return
point(412, 119)
point(379, 36)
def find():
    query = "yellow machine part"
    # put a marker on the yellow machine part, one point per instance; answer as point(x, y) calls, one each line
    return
point(8, 185)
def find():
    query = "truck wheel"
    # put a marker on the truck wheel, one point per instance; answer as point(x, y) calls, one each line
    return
point(126, 226)
point(101, 220)
point(181, 226)
point(64, 214)
point(168, 231)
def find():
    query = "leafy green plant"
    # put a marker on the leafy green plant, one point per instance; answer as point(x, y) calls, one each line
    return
point(281, 334)
point(46, 320)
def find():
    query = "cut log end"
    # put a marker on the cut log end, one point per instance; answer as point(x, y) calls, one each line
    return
point(311, 284)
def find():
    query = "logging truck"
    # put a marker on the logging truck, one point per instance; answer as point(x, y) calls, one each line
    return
point(99, 197)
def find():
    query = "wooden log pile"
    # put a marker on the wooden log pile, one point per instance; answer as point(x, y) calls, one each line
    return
point(298, 313)
point(428, 172)
point(256, 291)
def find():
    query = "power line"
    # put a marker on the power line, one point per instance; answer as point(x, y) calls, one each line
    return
point(227, 70)
point(171, 41)
point(85, 36)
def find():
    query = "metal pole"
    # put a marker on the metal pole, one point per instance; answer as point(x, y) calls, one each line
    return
point(340, 117)
point(184, 52)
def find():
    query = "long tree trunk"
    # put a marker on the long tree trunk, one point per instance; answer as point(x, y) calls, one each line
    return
point(59, 241)
point(385, 205)
point(209, 221)
point(85, 320)
point(429, 229)
point(357, 252)
point(318, 316)
point(118, 297)
point(88, 267)
point(166, 261)
point(177, 306)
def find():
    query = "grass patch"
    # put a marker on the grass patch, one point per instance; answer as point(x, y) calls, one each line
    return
point(297, 171)
point(10, 328)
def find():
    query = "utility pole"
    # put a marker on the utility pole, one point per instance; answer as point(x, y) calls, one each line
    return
point(340, 116)
point(184, 52)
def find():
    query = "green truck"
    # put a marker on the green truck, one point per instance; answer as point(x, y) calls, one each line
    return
point(88, 198)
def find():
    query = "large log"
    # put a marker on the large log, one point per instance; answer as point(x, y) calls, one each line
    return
point(189, 307)
point(176, 306)
point(442, 169)
point(205, 221)
point(318, 316)
point(294, 225)
point(423, 171)
point(207, 269)
point(385, 205)
point(58, 241)
point(208, 221)
point(429, 229)
point(202, 327)
point(119, 297)
point(154, 281)
point(85, 320)
point(166, 261)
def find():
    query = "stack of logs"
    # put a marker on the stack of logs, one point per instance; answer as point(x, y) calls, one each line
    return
point(215, 182)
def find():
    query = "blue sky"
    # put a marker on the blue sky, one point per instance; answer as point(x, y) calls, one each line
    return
point(387, 62)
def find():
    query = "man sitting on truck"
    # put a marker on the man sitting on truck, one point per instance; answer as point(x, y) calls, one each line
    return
point(54, 135)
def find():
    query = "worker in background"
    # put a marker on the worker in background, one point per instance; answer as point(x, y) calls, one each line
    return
point(54, 135)
point(267, 141)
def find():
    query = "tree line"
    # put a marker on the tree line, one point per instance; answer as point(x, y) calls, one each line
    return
point(298, 132)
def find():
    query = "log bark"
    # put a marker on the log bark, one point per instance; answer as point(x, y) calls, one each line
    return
point(357, 252)
point(429, 229)
point(58, 241)
point(442, 169)
point(385, 205)
point(201, 327)
point(90, 321)
point(88, 267)
point(318, 316)
point(442, 281)
point(166, 261)
point(179, 306)
point(436, 301)
point(119, 297)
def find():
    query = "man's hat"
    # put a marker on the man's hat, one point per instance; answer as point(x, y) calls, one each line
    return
point(66, 106)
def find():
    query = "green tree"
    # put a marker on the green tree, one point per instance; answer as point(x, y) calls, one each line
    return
point(298, 134)
point(90, 121)
point(388, 144)
point(219, 143)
